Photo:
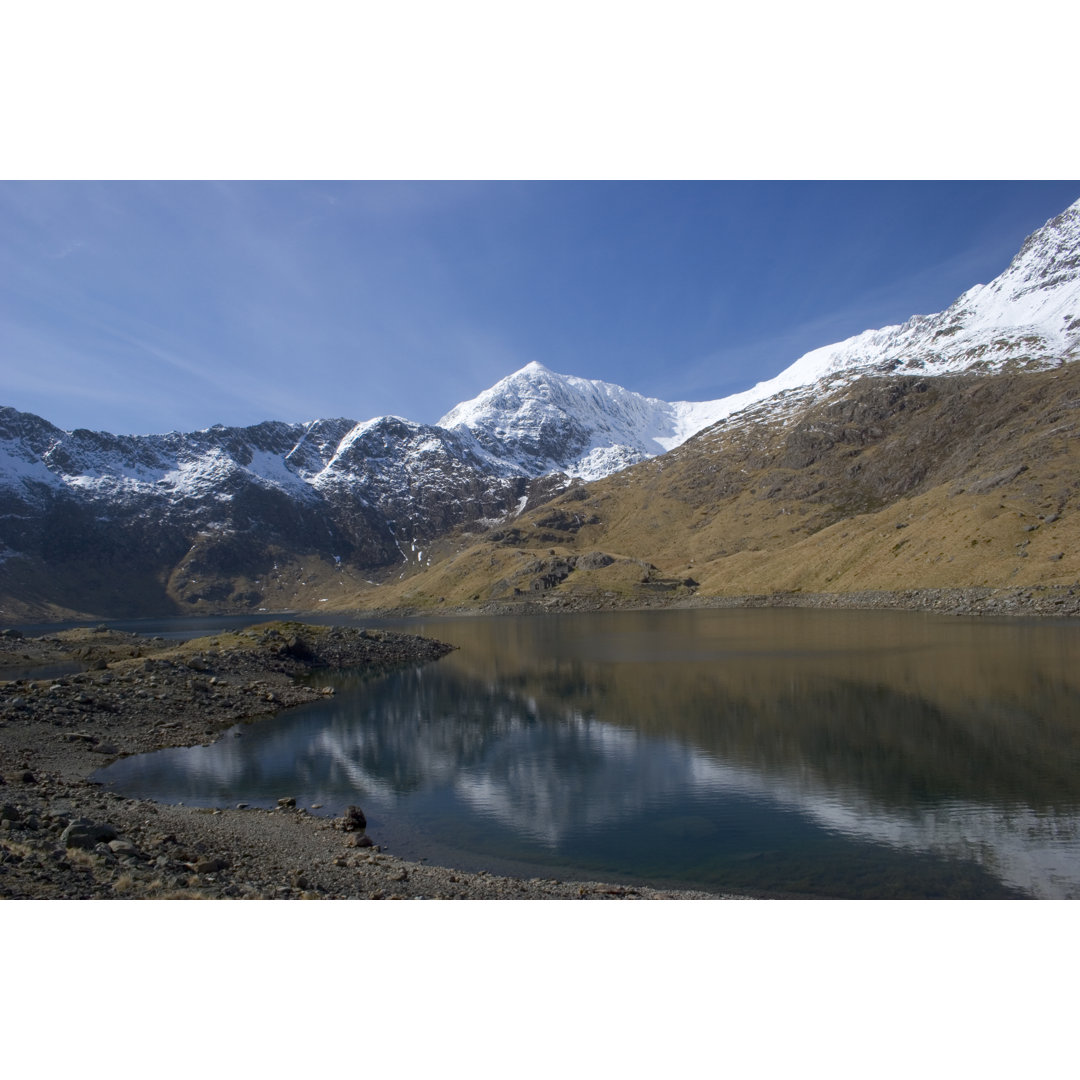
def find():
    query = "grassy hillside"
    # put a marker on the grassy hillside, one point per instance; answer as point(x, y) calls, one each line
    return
point(890, 484)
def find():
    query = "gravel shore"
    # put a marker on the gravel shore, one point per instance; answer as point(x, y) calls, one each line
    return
point(1035, 600)
point(63, 837)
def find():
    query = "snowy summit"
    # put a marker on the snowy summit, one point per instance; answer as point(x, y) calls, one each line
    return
point(536, 421)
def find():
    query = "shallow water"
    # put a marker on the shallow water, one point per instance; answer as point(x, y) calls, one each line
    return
point(797, 752)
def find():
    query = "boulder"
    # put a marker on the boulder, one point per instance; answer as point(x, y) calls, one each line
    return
point(83, 833)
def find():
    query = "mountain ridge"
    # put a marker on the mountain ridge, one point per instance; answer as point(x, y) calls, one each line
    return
point(206, 519)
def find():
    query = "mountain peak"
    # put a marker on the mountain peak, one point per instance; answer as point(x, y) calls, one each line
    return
point(533, 367)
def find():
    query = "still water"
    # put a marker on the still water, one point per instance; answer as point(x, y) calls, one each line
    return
point(790, 752)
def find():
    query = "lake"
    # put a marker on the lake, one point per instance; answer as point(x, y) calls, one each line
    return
point(863, 754)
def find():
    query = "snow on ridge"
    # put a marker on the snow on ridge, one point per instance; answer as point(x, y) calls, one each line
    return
point(536, 421)
point(1029, 314)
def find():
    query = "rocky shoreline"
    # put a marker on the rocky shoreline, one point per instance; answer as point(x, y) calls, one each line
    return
point(1034, 600)
point(63, 837)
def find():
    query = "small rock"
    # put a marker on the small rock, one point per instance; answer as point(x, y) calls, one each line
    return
point(211, 866)
point(27, 777)
point(286, 802)
point(121, 847)
point(10, 813)
point(353, 819)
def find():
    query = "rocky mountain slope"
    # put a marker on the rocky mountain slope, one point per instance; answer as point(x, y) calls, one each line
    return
point(240, 518)
point(784, 486)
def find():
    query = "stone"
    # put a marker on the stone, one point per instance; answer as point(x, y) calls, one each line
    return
point(83, 833)
point(211, 865)
point(353, 819)
point(10, 813)
point(287, 802)
point(121, 847)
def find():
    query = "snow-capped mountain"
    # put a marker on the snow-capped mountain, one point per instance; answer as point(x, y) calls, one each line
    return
point(374, 494)
point(192, 518)
point(380, 481)
point(536, 421)
point(1028, 316)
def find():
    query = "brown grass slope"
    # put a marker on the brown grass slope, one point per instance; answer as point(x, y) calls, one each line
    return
point(891, 483)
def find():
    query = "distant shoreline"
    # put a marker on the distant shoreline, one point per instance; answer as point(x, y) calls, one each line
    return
point(1061, 601)
point(1036, 600)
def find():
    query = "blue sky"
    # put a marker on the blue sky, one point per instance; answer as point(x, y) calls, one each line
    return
point(143, 306)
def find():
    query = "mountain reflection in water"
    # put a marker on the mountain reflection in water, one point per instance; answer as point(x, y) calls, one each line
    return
point(821, 753)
